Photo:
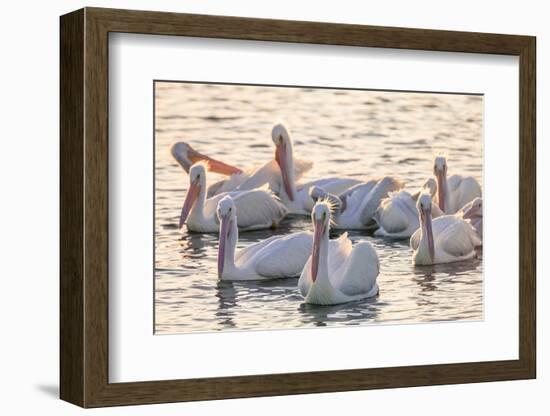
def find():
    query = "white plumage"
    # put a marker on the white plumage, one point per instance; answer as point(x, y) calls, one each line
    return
point(275, 257)
point(259, 208)
point(455, 191)
point(473, 213)
point(356, 207)
point(269, 173)
point(281, 174)
point(238, 179)
point(337, 272)
point(445, 239)
point(397, 216)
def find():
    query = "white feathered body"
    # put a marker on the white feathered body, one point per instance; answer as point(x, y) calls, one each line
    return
point(397, 216)
point(351, 274)
point(460, 191)
point(303, 204)
point(258, 209)
point(474, 218)
point(362, 202)
point(454, 240)
point(275, 257)
point(269, 174)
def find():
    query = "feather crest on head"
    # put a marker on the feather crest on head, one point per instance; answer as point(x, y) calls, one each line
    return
point(203, 163)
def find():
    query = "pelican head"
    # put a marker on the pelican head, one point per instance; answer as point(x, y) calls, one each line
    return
point(284, 157)
point(186, 156)
point(440, 165)
point(320, 217)
point(227, 215)
point(197, 182)
point(316, 193)
point(473, 209)
point(424, 206)
point(440, 172)
point(430, 186)
point(336, 205)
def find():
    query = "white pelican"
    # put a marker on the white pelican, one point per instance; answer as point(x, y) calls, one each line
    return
point(281, 173)
point(259, 208)
point(336, 272)
point(455, 191)
point(446, 239)
point(275, 257)
point(397, 216)
point(240, 180)
point(296, 196)
point(355, 208)
point(473, 213)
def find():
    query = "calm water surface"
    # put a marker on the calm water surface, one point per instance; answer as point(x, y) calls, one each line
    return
point(354, 133)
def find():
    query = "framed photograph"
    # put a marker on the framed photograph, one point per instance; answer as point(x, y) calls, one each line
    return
point(256, 207)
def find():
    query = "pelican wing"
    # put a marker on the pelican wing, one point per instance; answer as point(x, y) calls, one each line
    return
point(454, 182)
point(268, 173)
point(365, 199)
point(457, 238)
point(354, 195)
point(396, 213)
point(438, 227)
point(462, 190)
point(258, 207)
point(477, 223)
point(357, 275)
point(461, 211)
point(415, 239)
point(436, 211)
point(338, 252)
point(331, 185)
point(284, 256)
point(243, 256)
point(227, 185)
point(304, 283)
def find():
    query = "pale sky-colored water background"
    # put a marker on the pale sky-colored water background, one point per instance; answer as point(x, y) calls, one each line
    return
point(353, 133)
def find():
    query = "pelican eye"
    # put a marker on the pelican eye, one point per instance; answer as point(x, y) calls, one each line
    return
point(324, 216)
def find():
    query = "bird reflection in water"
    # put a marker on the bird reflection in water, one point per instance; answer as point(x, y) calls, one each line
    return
point(230, 296)
point(362, 311)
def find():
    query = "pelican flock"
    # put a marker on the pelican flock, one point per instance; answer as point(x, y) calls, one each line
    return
point(442, 220)
point(281, 173)
point(355, 208)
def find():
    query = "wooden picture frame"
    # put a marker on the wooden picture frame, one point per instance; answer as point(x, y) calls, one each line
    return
point(84, 207)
